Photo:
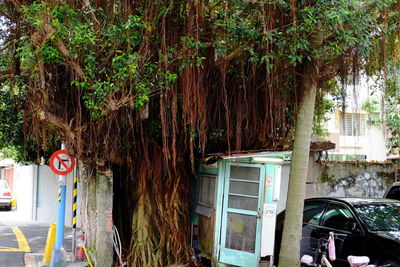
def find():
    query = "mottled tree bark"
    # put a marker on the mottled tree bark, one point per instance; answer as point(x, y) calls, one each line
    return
point(104, 203)
point(87, 202)
point(290, 246)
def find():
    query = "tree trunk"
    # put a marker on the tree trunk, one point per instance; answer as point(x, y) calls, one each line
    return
point(104, 203)
point(160, 222)
point(290, 246)
point(96, 200)
point(87, 202)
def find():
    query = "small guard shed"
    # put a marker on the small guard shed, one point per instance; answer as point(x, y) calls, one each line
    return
point(236, 205)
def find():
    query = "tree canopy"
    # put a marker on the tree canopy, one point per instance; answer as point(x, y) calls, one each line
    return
point(242, 59)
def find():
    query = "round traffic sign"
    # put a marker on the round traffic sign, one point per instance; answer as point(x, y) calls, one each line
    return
point(61, 162)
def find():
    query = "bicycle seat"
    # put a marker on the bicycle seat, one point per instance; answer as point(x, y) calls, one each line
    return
point(358, 261)
point(307, 260)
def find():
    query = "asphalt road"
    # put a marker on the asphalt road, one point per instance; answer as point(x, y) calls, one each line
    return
point(18, 238)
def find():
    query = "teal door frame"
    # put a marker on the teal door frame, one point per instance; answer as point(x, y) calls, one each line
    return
point(228, 255)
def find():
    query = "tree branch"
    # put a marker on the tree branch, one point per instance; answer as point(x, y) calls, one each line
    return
point(65, 52)
point(88, 7)
point(5, 71)
point(232, 55)
point(2, 13)
point(62, 48)
point(7, 45)
point(57, 122)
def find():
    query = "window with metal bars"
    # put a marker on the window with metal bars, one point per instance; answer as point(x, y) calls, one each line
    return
point(352, 124)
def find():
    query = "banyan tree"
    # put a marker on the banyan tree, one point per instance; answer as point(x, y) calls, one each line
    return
point(147, 87)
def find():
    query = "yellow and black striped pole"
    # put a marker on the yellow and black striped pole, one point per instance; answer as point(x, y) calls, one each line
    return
point(74, 202)
point(74, 205)
point(59, 193)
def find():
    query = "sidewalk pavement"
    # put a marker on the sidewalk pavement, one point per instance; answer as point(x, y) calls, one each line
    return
point(36, 260)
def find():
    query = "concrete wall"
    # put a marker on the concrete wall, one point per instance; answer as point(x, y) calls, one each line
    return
point(377, 143)
point(343, 179)
point(47, 197)
point(284, 186)
point(36, 190)
point(311, 179)
point(358, 179)
point(24, 191)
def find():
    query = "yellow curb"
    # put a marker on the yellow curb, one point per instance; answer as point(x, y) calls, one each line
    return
point(22, 242)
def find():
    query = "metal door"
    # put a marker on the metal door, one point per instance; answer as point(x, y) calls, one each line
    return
point(241, 214)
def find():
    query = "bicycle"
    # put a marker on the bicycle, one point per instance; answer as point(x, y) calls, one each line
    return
point(324, 245)
point(328, 244)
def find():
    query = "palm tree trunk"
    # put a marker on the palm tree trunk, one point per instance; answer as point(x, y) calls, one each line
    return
point(290, 246)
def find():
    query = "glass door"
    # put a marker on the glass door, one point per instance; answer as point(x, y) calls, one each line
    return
point(241, 215)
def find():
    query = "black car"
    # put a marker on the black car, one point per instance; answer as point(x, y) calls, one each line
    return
point(393, 192)
point(366, 227)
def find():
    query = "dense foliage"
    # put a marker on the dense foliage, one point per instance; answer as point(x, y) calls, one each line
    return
point(392, 104)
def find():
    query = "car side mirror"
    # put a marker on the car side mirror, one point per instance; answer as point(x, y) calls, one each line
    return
point(352, 227)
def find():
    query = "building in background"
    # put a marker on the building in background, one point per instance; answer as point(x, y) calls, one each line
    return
point(359, 131)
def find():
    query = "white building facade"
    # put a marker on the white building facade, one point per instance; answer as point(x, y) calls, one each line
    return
point(359, 135)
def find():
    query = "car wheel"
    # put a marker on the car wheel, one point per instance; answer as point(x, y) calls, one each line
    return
point(8, 207)
point(393, 263)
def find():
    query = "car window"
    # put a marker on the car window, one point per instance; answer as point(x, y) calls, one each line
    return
point(337, 216)
point(394, 193)
point(380, 216)
point(313, 211)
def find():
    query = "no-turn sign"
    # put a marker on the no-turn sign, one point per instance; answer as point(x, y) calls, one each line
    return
point(61, 162)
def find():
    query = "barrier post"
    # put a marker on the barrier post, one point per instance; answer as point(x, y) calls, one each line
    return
point(75, 194)
point(49, 243)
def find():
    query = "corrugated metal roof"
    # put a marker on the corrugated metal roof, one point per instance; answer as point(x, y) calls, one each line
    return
point(255, 154)
point(314, 146)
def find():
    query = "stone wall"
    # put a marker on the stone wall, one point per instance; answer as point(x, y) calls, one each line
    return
point(353, 179)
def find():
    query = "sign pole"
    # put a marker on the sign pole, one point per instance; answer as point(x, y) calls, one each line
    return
point(74, 206)
point(58, 256)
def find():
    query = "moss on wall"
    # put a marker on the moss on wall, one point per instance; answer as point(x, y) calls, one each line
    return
point(358, 179)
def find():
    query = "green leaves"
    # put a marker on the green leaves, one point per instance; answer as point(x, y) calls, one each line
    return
point(12, 99)
point(35, 13)
point(50, 54)
point(371, 106)
point(324, 107)
point(117, 53)
point(27, 55)
point(107, 55)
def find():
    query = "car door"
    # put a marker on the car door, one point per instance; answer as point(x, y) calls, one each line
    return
point(312, 214)
point(340, 219)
